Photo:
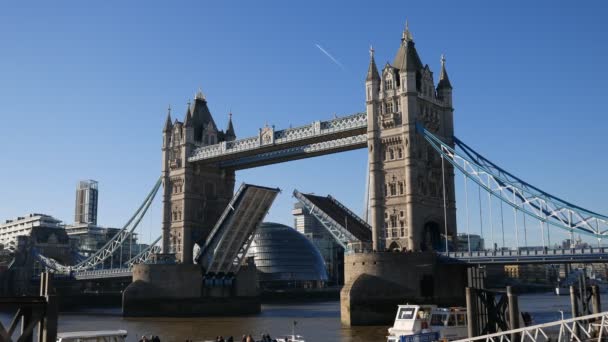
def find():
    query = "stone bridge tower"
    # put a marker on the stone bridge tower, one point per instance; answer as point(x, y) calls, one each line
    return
point(406, 180)
point(194, 195)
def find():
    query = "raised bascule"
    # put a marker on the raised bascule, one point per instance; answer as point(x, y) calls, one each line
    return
point(404, 252)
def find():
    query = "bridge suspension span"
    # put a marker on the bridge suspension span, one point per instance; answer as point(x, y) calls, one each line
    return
point(523, 197)
point(112, 246)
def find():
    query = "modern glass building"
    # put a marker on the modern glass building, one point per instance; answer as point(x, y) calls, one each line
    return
point(286, 259)
point(86, 202)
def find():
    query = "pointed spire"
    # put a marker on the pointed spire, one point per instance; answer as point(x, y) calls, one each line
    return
point(444, 80)
point(188, 122)
point(407, 36)
point(372, 71)
point(168, 121)
point(199, 95)
point(407, 58)
point(230, 129)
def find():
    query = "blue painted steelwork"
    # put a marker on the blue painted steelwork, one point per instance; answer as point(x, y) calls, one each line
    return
point(542, 256)
point(517, 193)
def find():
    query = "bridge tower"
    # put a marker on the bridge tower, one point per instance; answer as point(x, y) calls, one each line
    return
point(406, 180)
point(194, 195)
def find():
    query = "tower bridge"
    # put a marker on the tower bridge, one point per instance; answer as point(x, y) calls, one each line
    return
point(413, 155)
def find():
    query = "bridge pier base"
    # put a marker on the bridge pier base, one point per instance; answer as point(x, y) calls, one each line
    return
point(172, 290)
point(375, 283)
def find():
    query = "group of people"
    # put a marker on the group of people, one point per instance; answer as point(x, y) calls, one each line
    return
point(149, 339)
point(246, 338)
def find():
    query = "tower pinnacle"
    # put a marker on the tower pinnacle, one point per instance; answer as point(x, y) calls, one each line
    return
point(406, 36)
point(372, 71)
point(168, 125)
point(199, 95)
point(444, 80)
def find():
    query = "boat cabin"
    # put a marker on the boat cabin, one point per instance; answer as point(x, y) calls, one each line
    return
point(411, 319)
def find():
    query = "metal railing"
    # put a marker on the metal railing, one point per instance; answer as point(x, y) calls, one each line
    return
point(315, 129)
point(583, 328)
point(531, 255)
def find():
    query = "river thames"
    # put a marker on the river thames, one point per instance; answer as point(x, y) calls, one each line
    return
point(317, 322)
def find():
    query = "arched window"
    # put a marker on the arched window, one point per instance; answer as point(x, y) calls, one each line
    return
point(400, 188)
point(393, 188)
point(392, 153)
point(399, 153)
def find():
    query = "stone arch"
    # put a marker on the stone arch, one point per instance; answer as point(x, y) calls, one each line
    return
point(394, 246)
point(431, 236)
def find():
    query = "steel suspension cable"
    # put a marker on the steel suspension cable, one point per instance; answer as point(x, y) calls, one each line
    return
point(491, 223)
point(466, 202)
point(480, 213)
point(516, 228)
point(525, 232)
point(445, 207)
point(502, 225)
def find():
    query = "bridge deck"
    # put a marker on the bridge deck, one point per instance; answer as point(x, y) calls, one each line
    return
point(231, 237)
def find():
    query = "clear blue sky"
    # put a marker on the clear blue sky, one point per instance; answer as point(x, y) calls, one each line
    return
point(84, 88)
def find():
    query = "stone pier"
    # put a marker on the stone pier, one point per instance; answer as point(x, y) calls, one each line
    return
point(173, 290)
point(375, 283)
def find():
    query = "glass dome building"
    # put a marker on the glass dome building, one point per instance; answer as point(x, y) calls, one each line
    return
point(286, 259)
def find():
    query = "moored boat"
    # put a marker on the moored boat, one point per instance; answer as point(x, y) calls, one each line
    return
point(427, 323)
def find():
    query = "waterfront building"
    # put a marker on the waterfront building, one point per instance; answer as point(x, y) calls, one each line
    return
point(286, 259)
point(86, 202)
point(331, 251)
point(22, 226)
point(476, 241)
point(532, 273)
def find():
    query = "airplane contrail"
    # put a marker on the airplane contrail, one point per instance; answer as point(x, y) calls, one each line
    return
point(330, 56)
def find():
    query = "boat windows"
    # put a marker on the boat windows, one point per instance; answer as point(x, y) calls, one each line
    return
point(438, 319)
point(451, 321)
point(461, 318)
point(406, 313)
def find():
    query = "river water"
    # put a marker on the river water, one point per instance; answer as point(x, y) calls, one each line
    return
point(317, 322)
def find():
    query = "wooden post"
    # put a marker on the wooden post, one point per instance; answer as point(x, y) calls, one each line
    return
point(513, 312)
point(574, 306)
point(47, 328)
point(471, 312)
point(595, 299)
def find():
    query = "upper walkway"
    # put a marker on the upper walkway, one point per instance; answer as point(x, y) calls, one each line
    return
point(533, 256)
point(270, 146)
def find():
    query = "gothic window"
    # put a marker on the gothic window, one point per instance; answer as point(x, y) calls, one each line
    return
point(389, 84)
point(401, 213)
point(397, 106)
point(392, 153)
point(400, 188)
point(393, 221)
point(385, 215)
point(399, 153)
point(384, 153)
point(389, 107)
point(393, 189)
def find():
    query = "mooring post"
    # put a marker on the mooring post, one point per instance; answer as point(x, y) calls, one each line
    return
point(584, 304)
point(513, 312)
point(471, 312)
point(574, 306)
point(595, 299)
point(47, 328)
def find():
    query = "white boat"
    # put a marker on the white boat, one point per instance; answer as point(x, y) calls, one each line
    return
point(427, 323)
point(291, 338)
point(93, 336)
